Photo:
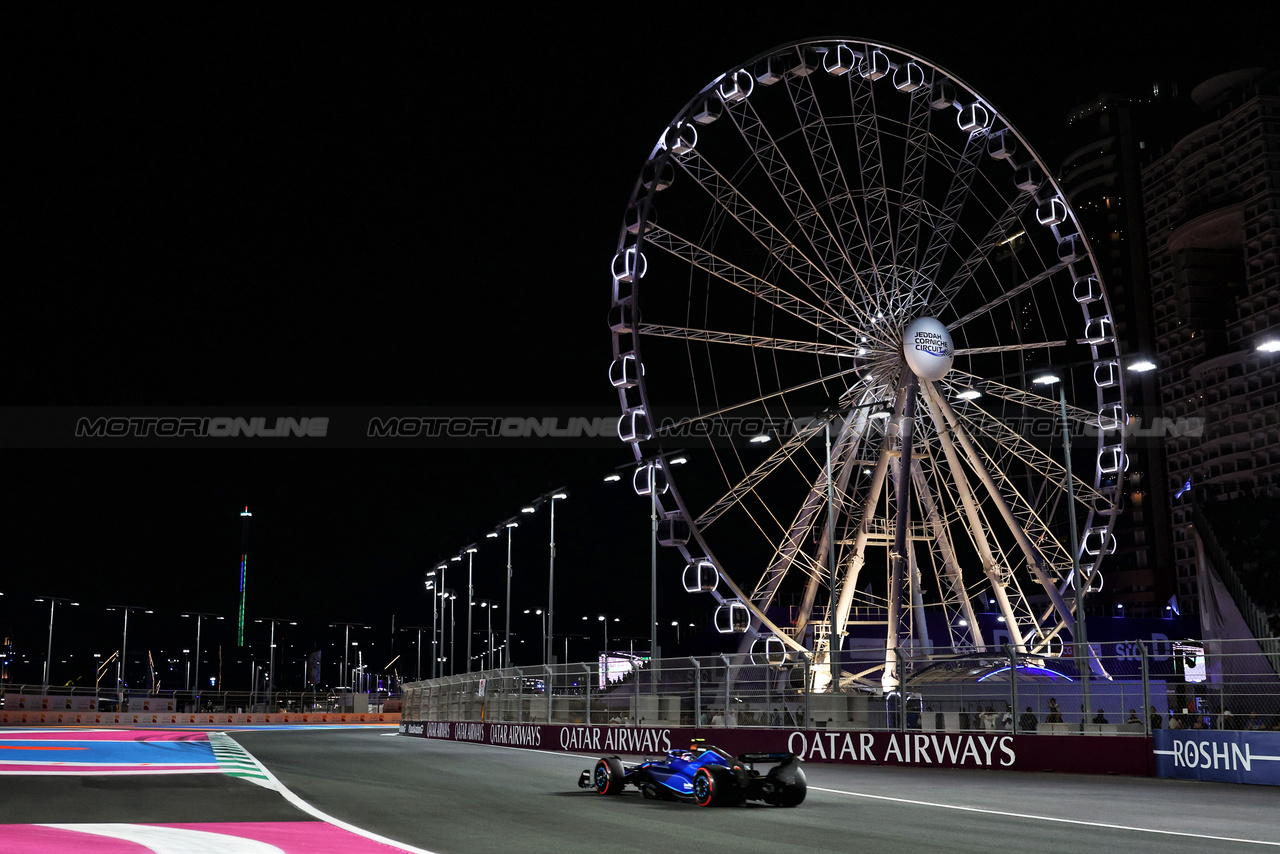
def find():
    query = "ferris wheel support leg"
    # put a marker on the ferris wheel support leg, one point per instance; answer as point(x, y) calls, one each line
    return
point(1034, 559)
point(847, 441)
point(892, 676)
point(976, 526)
point(853, 567)
point(952, 574)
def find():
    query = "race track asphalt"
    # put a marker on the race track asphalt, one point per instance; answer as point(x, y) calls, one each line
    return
point(458, 798)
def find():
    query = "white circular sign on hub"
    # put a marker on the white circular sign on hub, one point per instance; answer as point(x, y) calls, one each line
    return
point(927, 346)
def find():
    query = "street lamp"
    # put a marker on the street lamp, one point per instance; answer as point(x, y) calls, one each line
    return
point(346, 644)
point(451, 596)
point(1082, 623)
point(506, 644)
point(124, 648)
point(603, 619)
point(199, 615)
point(650, 478)
point(48, 658)
point(553, 496)
point(470, 552)
point(542, 614)
point(271, 653)
point(437, 669)
point(489, 606)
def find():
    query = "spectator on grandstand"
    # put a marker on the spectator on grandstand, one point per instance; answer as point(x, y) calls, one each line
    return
point(1254, 723)
point(1027, 721)
point(1054, 715)
point(989, 719)
point(1156, 720)
point(1133, 717)
point(1099, 718)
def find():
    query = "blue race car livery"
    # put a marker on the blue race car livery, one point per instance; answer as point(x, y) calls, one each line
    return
point(706, 775)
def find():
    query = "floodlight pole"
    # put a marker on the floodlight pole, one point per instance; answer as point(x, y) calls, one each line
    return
point(1082, 653)
point(833, 644)
point(506, 649)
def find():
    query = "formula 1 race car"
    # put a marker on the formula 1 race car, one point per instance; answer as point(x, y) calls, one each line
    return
point(706, 775)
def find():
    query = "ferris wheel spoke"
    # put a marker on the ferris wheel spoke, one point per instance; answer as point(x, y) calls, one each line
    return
point(949, 216)
point(1023, 398)
point(832, 246)
point(759, 342)
point(747, 485)
point(696, 256)
point(877, 222)
point(1008, 294)
point(779, 393)
point(844, 463)
point(1012, 348)
point(1011, 439)
point(733, 202)
point(788, 554)
point(914, 209)
point(1002, 231)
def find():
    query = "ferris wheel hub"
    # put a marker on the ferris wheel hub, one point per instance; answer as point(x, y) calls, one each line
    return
point(927, 347)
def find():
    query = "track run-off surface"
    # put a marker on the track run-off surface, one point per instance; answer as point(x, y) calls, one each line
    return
point(371, 789)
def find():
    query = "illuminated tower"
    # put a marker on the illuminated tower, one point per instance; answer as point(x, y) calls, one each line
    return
point(244, 559)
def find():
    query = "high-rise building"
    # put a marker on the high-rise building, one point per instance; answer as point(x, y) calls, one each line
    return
point(1101, 177)
point(1212, 212)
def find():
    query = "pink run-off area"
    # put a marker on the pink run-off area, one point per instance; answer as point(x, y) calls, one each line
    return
point(289, 837)
point(70, 733)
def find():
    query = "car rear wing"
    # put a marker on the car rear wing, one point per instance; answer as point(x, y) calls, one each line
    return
point(768, 757)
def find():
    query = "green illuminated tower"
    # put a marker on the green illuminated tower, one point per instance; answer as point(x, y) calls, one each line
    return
point(244, 560)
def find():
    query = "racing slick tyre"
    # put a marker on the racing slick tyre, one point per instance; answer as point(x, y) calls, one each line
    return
point(609, 778)
point(787, 786)
point(716, 786)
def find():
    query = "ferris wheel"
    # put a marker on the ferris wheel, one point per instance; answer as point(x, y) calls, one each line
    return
point(840, 280)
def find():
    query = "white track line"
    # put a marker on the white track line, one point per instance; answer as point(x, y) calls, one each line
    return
point(1049, 818)
point(325, 817)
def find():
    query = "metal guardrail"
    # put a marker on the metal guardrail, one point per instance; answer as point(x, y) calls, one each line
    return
point(1147, 686)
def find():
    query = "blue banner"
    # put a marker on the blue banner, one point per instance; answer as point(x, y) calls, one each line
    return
point(1220, 757)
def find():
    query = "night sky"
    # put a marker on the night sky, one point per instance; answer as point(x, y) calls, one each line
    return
point(322, 211)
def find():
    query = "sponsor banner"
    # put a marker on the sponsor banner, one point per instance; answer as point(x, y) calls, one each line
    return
point(1220, 757)
point(1080, 754)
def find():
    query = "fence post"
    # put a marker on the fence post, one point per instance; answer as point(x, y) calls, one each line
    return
point(728, 687)
point(697, 693)
point(1146, 688)
point(901, 656)
point(808, 706)
point(1012, 652)
point(586, 684)
point(549, 693)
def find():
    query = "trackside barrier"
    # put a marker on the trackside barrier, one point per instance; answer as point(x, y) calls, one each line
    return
point(41, 718)
point(1008, 752)
point(1221, 757)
